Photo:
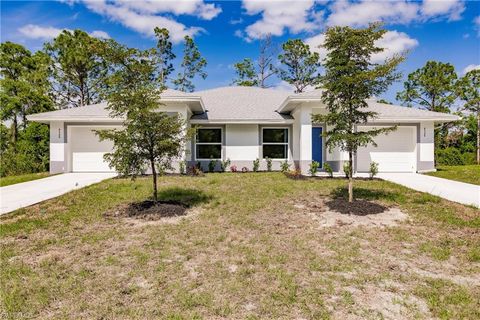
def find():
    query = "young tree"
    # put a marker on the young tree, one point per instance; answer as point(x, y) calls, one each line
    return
point(300, 65)
point(149, 138)
point(251, 75)
point(192, 64)
point(350, 79)
point(24, 85)
point(468, 89)
point(165, 54)
point(78, 68)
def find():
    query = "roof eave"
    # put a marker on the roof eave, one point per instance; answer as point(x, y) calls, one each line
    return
point(284, 107)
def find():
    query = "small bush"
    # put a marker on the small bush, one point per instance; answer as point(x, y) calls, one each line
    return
point(284, 166)
point(244, 169)
point(256, 165)
point(233, 168)
point(195, 171)
point(314, 165)
point(199, 166)
point(224, 164)
point(211, 165)
point(295, 174)
point(346, 169)
point(269, 164)
point(373, 169)
point(453, 157)
point(328, 169)
point(182, 166)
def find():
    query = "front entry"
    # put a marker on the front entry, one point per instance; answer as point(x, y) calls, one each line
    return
point(317, 145)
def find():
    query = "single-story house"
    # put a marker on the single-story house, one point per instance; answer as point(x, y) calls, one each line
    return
point(246, 123)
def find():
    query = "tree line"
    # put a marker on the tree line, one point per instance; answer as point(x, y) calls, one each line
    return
point(73, 70)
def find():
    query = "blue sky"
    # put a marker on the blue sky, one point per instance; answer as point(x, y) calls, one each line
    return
point(228, 31)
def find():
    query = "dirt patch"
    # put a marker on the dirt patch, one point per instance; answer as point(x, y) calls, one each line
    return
point(149, 210)
point(339, 212)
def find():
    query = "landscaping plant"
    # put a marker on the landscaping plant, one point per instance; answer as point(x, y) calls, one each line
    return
point(211, 165)
point(244, 169)
point(269, 164)
point(224, 164)
point(346, 169)
point(256, 165)
point(181, 167)
point(350, 79)
point(373, 169)
point(314, 165)
point(328, 169)
point(284, 166)
point(233, 168)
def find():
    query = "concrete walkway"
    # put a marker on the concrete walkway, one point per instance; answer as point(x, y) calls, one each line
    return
point(25, 194)
point(456, 191)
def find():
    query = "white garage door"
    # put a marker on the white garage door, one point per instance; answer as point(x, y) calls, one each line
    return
point(87, 150)
point(396, 152)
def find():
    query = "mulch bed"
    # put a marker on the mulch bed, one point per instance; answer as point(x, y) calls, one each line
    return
point(149, 210)
point(357, 207)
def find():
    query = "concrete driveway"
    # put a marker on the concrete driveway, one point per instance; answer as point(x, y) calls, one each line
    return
point(24, 194)
point(456, 191)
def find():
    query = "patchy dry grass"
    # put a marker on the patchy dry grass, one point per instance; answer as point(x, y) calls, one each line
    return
point(247, 250)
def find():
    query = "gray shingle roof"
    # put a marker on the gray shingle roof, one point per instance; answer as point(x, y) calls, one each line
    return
point(244, 104)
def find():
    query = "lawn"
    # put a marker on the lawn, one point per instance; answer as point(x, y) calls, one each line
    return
point(468, 174)
point(250, 247)
point(6, 181)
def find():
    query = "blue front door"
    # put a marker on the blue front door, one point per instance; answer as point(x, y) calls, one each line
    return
point(317, 145)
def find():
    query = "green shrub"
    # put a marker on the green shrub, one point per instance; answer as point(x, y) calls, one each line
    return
point(328, 169)
point(256, 165)
point(314, 165)
point(373, 169)
point(346, 169)
point(454, 157)
point(182, 165)
point(212, 164)
point(269, 163)
point(224, 164)
point(284, 166)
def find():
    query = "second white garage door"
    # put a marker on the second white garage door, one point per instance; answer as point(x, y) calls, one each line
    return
point(396, 152)
point(87, 150)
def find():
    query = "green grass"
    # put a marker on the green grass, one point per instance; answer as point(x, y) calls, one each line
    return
point(6, 181)
point(468, 174)
point(245, 252)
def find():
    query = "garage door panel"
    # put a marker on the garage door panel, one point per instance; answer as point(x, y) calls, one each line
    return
point(395, 152)
point(87, 150)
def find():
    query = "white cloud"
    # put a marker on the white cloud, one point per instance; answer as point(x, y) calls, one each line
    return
point(100, 34)
point(393, 42)
point(476, 21)
point(33, 31)
point(361, 13)
point(283, 86)
point(140, 20)
point(277, 16)
point(471, 67)
point(453, 9)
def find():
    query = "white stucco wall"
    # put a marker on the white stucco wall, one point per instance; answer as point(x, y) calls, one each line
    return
point(426, 143)
point(242, 142)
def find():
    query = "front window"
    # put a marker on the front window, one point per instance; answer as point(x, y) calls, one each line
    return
point(275, 143)
point(209, 143)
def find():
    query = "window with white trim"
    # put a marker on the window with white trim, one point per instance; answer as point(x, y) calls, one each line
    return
point(208, 144)
point(275, 143)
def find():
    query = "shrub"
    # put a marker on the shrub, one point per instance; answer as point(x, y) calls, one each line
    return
point(256, 165)
point(199, 165)
point(182, 166)
point(373, 169)
point(284, 166)
point(328, 169)
point(211, 165)
point(314, 165)
point(346, 168)
point(449, 157)
point(269, 164)
point(195, 171)
point(224, 164)
point(294, 174)
point(233, 168)
point(244, 169)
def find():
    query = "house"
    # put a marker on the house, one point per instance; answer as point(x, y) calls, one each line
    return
point(246, 123)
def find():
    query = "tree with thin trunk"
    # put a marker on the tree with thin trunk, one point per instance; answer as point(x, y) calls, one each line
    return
point(78, 68)
point(250, 74)
point(193, 64)
point(468, 88)
point(299, 65)
point(165, 54)
point(351, 78)
point(148, 139)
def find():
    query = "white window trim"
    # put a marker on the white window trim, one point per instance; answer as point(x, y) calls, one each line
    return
point(209, 143)
point(277, 143)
